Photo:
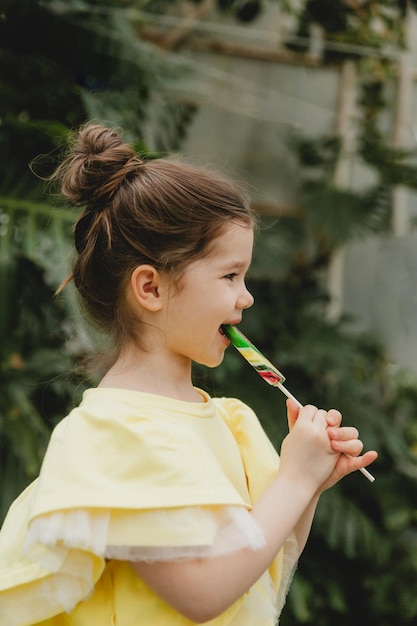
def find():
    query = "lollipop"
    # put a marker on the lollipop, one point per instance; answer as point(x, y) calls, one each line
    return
point(265, 368)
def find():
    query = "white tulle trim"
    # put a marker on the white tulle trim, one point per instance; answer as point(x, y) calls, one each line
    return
point(63, 531)
point(234, 529)
point(75, 572)
point(228, 528)
point(262, 605)
point(53, 540)
point(289, 566)
point(59, 591)
point(67, 544)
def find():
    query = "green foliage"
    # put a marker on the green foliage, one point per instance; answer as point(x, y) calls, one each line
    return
point(60, 64)
point(34, 328)
point(374, 24)
point(380, 26)
point(333, 215)
point(35, 386)
point(359, 566)
point(64, 62)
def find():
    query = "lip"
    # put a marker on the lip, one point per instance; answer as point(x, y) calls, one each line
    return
point(223, 335)
point(223, 332)
point(233, 323)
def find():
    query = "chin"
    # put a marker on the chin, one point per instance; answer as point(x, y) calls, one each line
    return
point(216, 363)
point(211, 363)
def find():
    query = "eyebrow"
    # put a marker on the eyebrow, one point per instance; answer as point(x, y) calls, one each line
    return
point(236, 265)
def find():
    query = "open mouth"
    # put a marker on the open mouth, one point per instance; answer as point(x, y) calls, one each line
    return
point(223, 330)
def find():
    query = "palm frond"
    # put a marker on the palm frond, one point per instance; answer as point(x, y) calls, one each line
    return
point(38, 232)
point(346, 528)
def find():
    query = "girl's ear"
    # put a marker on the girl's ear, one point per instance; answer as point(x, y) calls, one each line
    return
point(145, 284)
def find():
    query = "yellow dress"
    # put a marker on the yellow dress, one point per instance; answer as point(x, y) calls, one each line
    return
point(130, 476)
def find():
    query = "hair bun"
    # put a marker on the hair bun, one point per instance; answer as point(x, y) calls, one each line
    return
point(96, 167)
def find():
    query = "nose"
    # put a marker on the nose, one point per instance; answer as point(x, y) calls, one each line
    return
point(246, 299)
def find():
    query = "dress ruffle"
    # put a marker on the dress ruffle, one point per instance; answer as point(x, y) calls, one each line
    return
point(65, 544)
point(233, 528)
point(133, 536)
point(289, 566)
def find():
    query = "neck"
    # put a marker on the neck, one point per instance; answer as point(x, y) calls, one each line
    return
point(149, 373)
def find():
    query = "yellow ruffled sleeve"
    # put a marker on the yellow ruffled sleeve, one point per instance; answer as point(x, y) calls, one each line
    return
point(32, 589)
point(126, 476)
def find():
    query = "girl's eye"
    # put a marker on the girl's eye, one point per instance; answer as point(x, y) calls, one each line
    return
point(230, 276)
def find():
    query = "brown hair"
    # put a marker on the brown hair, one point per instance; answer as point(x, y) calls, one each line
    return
point(160, 212)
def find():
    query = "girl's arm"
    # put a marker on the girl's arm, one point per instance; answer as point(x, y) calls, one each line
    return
point(341, 440)
point(202, 589)
point(302, 528)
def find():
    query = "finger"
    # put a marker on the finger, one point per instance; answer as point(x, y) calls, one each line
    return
point(309, 411)
point(369, 457)
point(353, 447)
point(334, 417)
point(343, 433)
point(321, 415)
point(347, 464)
point(292, 412)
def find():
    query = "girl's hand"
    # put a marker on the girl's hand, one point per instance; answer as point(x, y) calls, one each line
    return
point(307, 456)
point(343, 440)
point(346, 440)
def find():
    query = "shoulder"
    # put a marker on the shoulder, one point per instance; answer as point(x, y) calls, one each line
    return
point(243, 422)
point(132, 450)
point(258, 454)
point(235, 412)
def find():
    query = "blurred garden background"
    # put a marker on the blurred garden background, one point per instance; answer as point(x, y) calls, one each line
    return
point(313, 104)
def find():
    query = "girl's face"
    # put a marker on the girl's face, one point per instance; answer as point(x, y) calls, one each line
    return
point(212, 292)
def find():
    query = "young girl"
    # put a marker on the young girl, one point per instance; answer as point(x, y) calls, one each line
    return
point(157, 504)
